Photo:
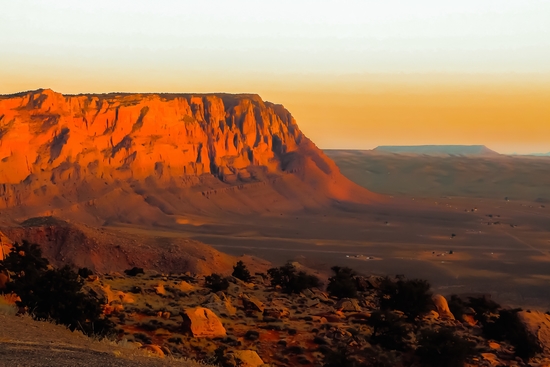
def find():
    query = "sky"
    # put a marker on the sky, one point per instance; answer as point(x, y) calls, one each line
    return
point(354, 73)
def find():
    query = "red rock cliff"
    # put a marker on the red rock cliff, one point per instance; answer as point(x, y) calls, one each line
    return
point(158, 153)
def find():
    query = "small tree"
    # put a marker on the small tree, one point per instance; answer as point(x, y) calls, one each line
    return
point(484, 307)
point(241, 272)
point(389, 330)
point(216, 283)
point(412, 297)
point(342, 284)
point(457, 306)
point(53, 294)
point(291, 280)
point(134, 271)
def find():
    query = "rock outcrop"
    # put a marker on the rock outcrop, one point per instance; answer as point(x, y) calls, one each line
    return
point(538, 325)
point(442, 307)
point(135, 157)
point(202, 323)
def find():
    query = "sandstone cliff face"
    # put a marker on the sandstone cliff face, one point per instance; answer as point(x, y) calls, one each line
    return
point(158, 154)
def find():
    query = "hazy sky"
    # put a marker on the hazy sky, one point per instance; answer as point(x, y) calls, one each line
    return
point(355, 74)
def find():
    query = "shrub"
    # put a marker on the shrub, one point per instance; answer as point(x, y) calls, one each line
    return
point(389, 330)
point(342, 284)
point(483, 307)
point(216, 283)
point(291, 280)
point(412, 297)
point(442, 348)
point(241, 272)
point(340, 357)
point(85, 272)
point(457, 306)
point(53, 294)
point(134, 271)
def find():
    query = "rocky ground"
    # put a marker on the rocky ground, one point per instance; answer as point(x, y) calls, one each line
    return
point(252, 324)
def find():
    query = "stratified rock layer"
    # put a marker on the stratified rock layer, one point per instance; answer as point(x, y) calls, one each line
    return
point(133, 157)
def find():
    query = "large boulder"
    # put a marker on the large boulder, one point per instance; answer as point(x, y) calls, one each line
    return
point(277, 312)
point(538, 325)
point(220, 304)
point(202, 323)
point(252, 304)
point(348, 305)
point(183, 286)
point(247, 358)
point(442, 307)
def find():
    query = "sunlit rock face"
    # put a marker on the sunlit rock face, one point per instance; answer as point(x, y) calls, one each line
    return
point(165, 153)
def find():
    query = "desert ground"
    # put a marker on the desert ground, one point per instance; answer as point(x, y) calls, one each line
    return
point(437, 205)
point(499, 247)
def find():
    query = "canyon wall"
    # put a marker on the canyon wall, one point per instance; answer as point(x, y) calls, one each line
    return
point(146, 157)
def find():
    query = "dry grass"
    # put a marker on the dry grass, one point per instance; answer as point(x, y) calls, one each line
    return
point(7, 307)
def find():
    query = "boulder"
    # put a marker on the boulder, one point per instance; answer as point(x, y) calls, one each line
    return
point(102, 292)
point(183, 286)
point(160, 290)
point(538, 325)
point(277, 312)
point(247, 358)
point(348, 305)
point(252, 304)
point(442, 307)
point(153, 349)
point(125, 297)
point(221, 304)
point(202, 323)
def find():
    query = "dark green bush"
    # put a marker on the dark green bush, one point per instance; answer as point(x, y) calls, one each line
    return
point(241, 272)
point(389, 330)
point(85, 272)
point(457, 306)
point(291, 280)
point(442, 348)
point(134, 271)
point(342, 284)
point(339, 357)
point(53, 294)
point(412, 297)
point(216, 283)
point(484, 307)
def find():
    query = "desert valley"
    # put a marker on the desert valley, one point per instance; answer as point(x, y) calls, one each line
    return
point(183, 186)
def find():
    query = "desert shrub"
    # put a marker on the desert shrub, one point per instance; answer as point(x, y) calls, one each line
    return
point(412, 297)
point(144, 338)
point(507, 326)
point(85, 272)
point(483, 307)
point(389, 330)
point(241, 272)
point(26, 259)
point(53, 294)
point(216, 283)
point(339, 357)
point(457, 306)
point(342, 284)
point(442, 348)
point(134, 271)
point(291, 280)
